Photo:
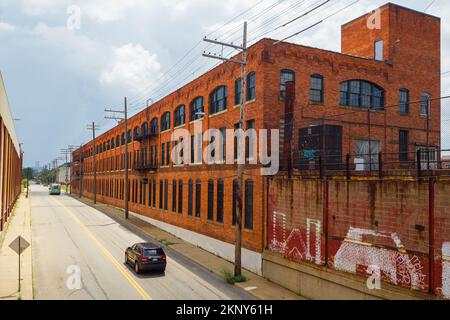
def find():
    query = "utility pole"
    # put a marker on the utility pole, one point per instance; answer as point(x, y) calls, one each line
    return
point(81, 173)
point(124, 112)
point(369, 124)
point(28, 184)
point(240, 169)
point(66, 152)
point(71, 149)
point(94, 128)
point(428, 132)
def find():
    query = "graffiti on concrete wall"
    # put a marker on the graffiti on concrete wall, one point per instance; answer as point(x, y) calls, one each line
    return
point(397, 266)
point(446, 270)
point(317, 241)
point(279, 230)
point(300, 244)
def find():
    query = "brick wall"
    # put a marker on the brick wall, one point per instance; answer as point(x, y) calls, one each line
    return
point(352, 225)
point(266, 60)
point(225, 231)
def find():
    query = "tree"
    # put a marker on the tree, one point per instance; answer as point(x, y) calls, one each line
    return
point(28, 173)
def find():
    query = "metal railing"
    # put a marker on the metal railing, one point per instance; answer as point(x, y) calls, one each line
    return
point(141, 165)
point(421, 163)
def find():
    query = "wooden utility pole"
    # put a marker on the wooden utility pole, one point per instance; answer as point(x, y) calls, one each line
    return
point(71, 150)
point(428, 132)
point(94, 128)
point(81, 173)
point(66, 152)
point(240, 168)
point(125, 119)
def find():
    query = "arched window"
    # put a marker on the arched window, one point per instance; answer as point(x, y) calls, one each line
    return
point(251, 86)
point(136, 133)
point(117, 141)
point(112, 143)
point(285, 76)
point(129, 136)
point(154, 126)
point(180, 115)
point(144, 129)
point(316, 88)
point(165, 121)
point(218, 100)
point(238, 91)
point(361, 94)
point(197, 109)
point(123, 139)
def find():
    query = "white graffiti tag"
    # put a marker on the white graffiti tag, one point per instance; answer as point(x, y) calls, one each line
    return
point(398, 266)
point(317, 240)
point(276, 245)
point(294, 245)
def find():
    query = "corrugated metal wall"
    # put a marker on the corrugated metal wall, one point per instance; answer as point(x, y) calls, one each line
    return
point(10, 159)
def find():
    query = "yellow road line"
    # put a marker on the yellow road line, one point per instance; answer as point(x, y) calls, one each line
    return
point(114, 261)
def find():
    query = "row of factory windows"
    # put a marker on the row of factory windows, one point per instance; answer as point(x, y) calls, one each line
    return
point(146, 193)
point(149, 156)
point(353, 93)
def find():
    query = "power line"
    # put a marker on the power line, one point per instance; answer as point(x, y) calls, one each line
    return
point(133, 98)
point(429, 6)
point(162, 86)
point(304, 14)
point(318, 22)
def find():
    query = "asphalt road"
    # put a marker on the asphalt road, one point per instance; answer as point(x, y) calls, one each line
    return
point(78, 253)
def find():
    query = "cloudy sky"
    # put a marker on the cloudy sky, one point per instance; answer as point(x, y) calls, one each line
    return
point(61, 72)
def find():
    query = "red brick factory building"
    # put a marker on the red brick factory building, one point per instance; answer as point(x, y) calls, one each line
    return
point(379, 94)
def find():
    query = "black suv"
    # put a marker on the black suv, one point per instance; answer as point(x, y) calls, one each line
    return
point(146, 257)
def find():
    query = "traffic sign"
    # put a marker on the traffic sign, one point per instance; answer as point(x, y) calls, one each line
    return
point(19, 245)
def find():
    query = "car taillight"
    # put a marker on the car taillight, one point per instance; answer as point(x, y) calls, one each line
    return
point(143, 259)
point(163, 257)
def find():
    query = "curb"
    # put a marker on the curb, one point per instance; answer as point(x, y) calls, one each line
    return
point(139, 231)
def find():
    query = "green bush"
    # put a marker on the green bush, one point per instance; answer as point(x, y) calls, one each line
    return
point(231, 278)
point(24, 184)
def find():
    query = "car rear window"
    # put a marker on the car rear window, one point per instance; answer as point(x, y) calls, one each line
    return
point(153, 252)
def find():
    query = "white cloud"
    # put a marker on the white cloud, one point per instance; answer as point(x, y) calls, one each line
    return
point(103, 11)
point(40, 7)
point(6, 27)
point(132, 67)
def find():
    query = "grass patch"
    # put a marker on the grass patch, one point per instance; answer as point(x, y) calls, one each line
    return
point(231, 278)
point(167, 243)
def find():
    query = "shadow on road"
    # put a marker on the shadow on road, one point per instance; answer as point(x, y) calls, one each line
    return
point(148, 275)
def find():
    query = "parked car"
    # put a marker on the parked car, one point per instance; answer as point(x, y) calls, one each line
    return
point(146, 257)
point(55, 189)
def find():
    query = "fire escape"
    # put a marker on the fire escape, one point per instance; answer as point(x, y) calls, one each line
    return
point(145, 159)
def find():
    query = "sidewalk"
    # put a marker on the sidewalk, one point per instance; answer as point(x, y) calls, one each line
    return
point(18, 224)
point(257, 286)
